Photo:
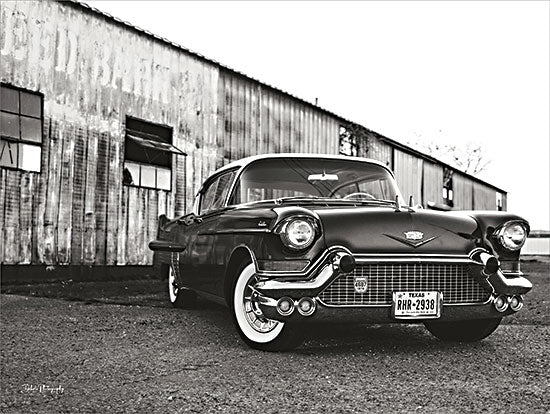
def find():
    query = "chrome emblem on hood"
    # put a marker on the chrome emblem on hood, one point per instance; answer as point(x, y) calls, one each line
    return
point(413, 235)
point(412, 238)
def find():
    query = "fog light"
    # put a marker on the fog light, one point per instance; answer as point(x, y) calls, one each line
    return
point(306, 306)
point(285, 306)
point(516, 303)
point(501, 303)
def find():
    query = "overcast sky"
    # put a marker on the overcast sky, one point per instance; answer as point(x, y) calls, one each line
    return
point(451, 72)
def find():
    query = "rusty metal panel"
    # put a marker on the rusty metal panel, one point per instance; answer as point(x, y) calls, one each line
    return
point(484, 197)
point(408, 172)
point(463, 192)
point(259, 120)
point(377, 150)
point(432, 183)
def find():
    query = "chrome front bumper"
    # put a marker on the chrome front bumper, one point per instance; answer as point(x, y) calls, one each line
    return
point(338, 261)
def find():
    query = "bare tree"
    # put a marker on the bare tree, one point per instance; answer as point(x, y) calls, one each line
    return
point(470, 158)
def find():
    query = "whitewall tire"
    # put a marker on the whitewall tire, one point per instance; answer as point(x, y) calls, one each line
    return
point(255, 329)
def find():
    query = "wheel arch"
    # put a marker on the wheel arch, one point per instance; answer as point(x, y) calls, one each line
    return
point(237, 257)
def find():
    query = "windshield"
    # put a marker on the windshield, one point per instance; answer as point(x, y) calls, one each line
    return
point(309, 177)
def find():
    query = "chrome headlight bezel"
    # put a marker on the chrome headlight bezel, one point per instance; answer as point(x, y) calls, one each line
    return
point(512, 235)
point(290, 229)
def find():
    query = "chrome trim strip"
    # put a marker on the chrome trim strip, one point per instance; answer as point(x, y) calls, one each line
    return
point(323, 277)
point(390, 305)
point(233, 231)
point(308, 271)
point(412, 259)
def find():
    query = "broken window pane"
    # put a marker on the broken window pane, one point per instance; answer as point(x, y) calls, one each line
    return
point(29, 157)
point(31, 105)
point(9, 99)
point(9, 125)
point(8, 153)
point(31, 129)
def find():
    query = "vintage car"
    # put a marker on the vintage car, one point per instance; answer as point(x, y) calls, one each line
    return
point(289, 239)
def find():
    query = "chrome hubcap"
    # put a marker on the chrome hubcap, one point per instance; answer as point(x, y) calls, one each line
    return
point(253, 313)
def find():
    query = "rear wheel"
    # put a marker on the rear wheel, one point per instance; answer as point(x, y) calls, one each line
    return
point(463, 331)
point(255, 329)
point(180, 297)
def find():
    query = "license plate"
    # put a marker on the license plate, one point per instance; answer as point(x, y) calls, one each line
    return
point(416, 305)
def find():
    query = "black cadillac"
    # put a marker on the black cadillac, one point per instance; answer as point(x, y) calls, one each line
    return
point(289, 239)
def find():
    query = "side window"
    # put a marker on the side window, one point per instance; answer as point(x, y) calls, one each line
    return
point(216, 192)
point(148, 155)
point(21, 121)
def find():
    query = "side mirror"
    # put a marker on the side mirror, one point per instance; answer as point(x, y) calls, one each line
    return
point(188, 219)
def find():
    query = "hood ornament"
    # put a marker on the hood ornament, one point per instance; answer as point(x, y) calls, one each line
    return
point(412, 238)
point(413, 235)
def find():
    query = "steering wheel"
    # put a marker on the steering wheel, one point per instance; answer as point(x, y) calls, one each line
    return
point(359, 196)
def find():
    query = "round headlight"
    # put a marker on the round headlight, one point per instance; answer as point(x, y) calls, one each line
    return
point(298, 234)
point(512, 235)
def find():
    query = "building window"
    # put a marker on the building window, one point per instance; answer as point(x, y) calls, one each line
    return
point(21, 120)
point(499, 202)
point(148, 155)
point(348, 142)
point(448, 187)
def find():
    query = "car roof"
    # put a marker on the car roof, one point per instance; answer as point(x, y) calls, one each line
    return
point(248, 160)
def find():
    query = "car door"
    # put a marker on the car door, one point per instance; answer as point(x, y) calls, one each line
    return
point(201, 250)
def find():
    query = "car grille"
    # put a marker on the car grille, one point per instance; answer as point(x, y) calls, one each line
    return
point(453, 280)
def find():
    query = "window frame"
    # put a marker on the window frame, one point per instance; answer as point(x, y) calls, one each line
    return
point(208, 184)
point(20, 141)
point(141, 139)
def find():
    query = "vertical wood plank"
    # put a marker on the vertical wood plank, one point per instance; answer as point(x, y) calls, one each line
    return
point(64, 224)
point(3, 174)
point(132, 227)
point(122, 235)
point(79, 189)
point(12, 204)
point(51, 215)
point(100, 199)
point(25, 219)
point(89, 239)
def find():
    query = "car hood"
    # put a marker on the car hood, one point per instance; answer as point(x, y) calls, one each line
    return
point(384, 230)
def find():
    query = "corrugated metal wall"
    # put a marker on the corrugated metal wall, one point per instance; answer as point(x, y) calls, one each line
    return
point(432, 184)
point(93, 72)
point(408, 172)
point(379, 150)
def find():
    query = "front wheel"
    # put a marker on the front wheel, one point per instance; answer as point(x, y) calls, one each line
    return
point(254, 328)
point(463, 331)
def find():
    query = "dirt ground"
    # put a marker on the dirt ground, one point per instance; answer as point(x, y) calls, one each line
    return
point(120, 347)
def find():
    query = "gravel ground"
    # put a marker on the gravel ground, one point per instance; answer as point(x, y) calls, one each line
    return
point(119, 347)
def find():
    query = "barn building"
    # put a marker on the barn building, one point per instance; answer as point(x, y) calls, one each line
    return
point(105, 126)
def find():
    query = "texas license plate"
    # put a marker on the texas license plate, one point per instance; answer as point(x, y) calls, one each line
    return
point(416, 305)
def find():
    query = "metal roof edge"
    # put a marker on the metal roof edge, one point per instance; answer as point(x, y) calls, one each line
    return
point(392, 142)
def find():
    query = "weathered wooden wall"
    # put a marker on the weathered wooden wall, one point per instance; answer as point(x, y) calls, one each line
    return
point(432, 183)
point(93, 72)
point(408, 172)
